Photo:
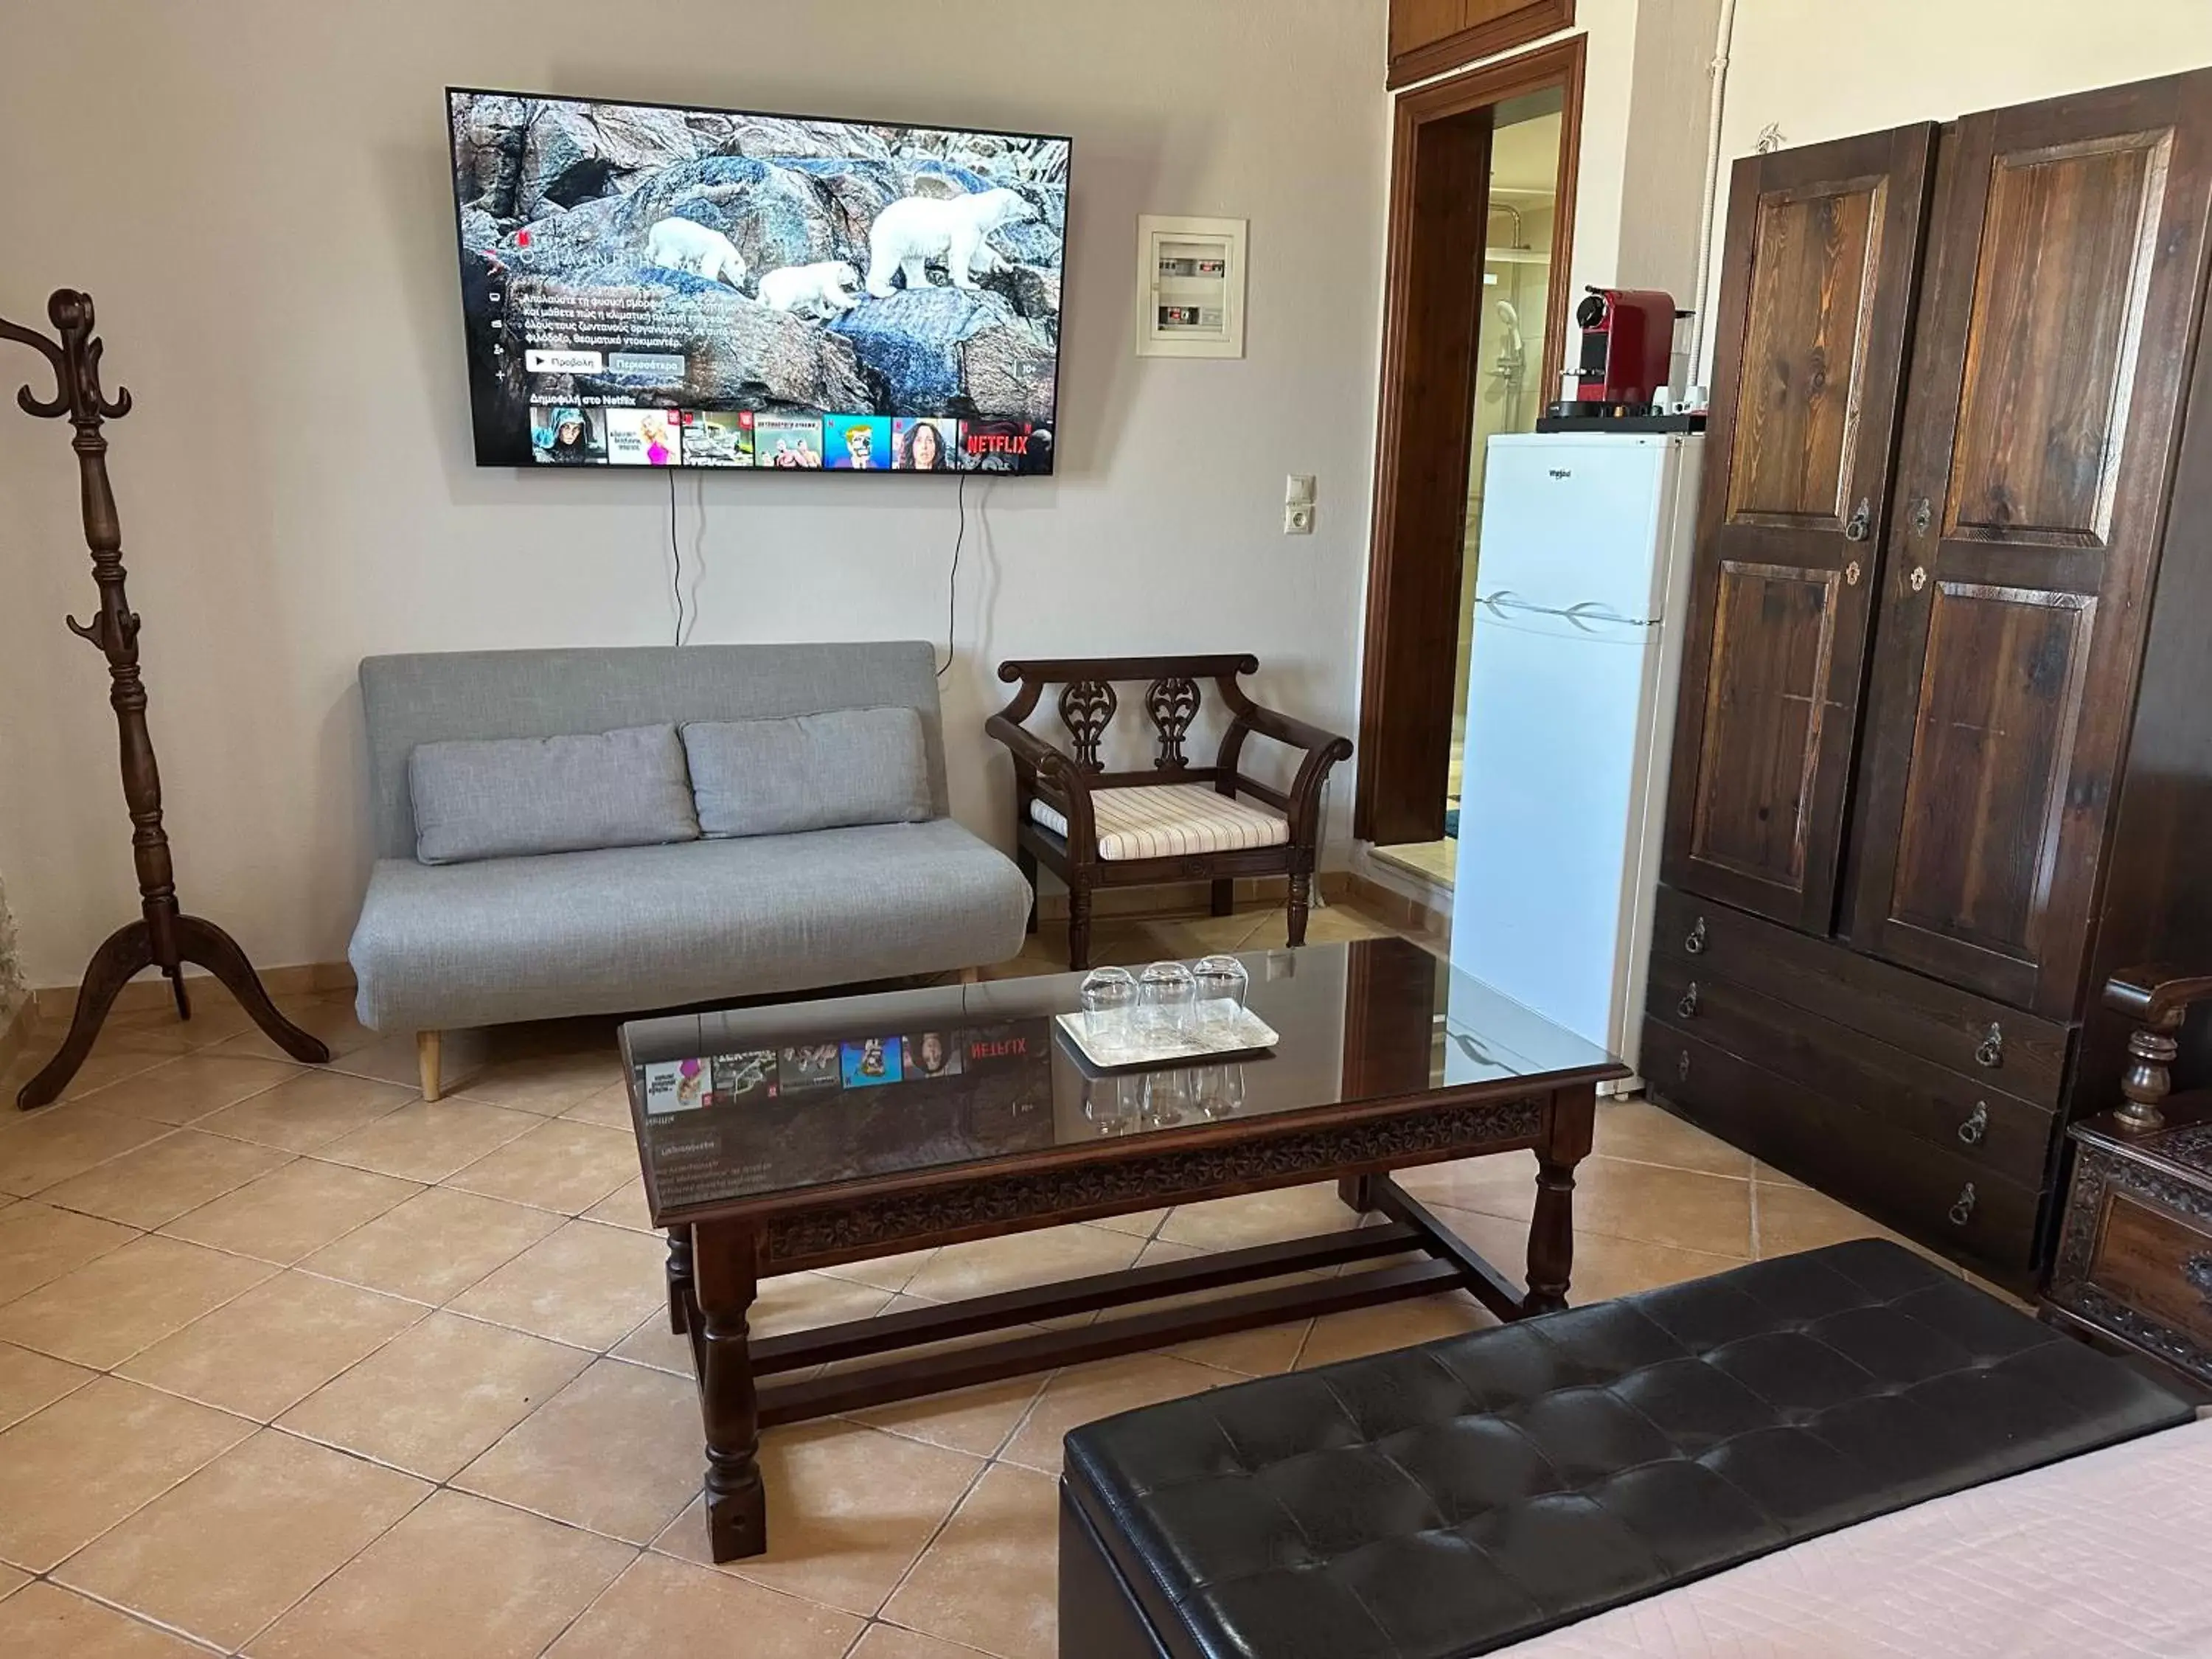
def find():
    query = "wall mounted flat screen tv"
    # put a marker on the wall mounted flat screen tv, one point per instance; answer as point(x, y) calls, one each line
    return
point(652, 286)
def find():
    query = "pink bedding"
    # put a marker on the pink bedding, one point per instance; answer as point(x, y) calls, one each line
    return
point(2106, 1555)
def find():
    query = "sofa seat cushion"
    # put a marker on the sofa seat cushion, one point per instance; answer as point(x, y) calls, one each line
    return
point(1170, 820)
point(1449, 1499)
point(627, 929)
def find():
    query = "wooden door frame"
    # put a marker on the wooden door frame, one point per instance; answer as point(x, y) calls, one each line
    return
point(1560, 64)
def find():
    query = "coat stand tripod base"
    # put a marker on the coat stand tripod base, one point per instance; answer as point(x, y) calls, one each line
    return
point(129, 951)
point(163, 937)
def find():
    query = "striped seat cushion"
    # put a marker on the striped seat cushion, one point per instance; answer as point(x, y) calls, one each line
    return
point(1168, 820)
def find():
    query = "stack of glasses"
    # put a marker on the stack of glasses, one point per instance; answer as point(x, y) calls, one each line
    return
point(1169, 1007)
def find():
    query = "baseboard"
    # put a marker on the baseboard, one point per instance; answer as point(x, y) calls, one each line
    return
point(150, 990)
point(1399, 909)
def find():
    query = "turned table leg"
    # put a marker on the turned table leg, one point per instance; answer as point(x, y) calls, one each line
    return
point(724, 1267)
point(679, 1278)
point(1570, 1123)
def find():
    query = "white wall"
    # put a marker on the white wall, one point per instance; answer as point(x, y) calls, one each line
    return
point(256, 193)
point(1815, 70)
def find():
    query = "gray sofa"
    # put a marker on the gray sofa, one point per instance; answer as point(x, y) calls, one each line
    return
point(446, 945)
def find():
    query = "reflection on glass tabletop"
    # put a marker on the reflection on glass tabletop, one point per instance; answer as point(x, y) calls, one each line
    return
point(747, 1104)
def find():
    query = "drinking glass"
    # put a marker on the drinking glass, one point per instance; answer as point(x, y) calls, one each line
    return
point(1218, 1091)
point(1222, 982)
point(1166, 997)
point(1110, 995)
point(1167, 1098)
point(1114, 1105)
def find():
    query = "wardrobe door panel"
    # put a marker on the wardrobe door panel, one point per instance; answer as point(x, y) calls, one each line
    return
point(1774, 636)
point(2065, 271)
point(1817, 284)
point(1992, 752)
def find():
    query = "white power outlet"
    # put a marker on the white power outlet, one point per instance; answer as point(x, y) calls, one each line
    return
point(1297, 520)
point(1298, 504)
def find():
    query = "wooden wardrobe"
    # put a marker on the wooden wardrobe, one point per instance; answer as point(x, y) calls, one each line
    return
point(1943, 761)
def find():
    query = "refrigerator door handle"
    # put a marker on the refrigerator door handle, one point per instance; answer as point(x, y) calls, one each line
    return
point(1580, 615)
point(1596, 612)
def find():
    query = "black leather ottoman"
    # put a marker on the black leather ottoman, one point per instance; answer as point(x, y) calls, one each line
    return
point(1452, 1498)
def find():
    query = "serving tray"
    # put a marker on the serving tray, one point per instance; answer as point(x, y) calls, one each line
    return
point(1109, 1042)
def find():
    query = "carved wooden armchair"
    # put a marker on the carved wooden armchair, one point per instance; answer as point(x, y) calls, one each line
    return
point(1097, 828)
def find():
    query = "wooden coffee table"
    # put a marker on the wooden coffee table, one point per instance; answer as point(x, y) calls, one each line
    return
point(781, 1138)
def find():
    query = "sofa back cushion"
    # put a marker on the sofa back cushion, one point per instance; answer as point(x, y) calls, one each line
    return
point(778, 777)
point(513, 797)
point(441, 697)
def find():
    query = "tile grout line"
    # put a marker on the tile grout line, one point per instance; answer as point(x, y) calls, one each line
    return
point(133, 1614)
point(983, 1467)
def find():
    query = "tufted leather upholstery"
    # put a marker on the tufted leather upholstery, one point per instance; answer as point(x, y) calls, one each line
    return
point(1450, 1498)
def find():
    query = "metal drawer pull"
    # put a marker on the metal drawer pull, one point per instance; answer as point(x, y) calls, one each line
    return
point(1695, 943)
point(1855, 531)
point(1991, 1052)
point(1976, 1126)
point(1688, 1008)
point(2197, 1270)
point(1963, 1211)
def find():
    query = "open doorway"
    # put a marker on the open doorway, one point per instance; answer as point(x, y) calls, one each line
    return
point(1482, 216)
point(1509, 395)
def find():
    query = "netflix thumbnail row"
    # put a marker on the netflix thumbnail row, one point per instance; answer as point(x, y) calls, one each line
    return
point(752, 1076)
point(578, 435)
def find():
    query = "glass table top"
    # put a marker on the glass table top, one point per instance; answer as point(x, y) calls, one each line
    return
point(747, 1104)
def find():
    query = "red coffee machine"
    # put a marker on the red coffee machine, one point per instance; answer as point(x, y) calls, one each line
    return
point(1628, 342)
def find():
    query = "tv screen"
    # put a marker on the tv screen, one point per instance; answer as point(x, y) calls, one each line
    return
point(650, 286)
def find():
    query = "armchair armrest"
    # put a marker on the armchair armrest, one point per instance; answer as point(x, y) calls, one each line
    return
point(1295, 732)
point(2158, 995)
point(1053, 766)
point(1055, 773)
point(1323, 749)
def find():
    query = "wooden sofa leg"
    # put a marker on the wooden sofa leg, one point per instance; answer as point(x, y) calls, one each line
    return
point(1301, 899)
point(1224, 897)
point(427, 1049)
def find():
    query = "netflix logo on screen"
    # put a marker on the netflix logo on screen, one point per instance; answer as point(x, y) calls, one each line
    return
point(1005, 446)
point(1001, 1045)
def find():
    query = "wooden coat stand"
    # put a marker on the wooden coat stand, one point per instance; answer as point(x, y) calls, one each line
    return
point(163, 937)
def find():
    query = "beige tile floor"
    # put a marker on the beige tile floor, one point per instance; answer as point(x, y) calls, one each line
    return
point(294, 1364)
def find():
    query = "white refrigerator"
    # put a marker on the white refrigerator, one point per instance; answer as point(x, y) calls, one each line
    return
point(1581, 592)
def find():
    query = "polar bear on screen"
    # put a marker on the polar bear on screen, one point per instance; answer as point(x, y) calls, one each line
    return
point(916, 229)
point(681, 245)
point(824, 290)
